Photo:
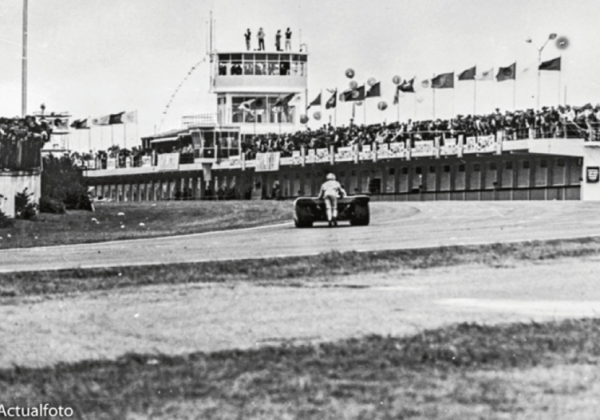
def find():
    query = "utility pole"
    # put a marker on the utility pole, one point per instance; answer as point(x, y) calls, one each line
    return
point(24, 63)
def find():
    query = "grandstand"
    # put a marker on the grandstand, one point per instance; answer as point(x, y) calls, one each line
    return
point(255, 146)
point(511, 156)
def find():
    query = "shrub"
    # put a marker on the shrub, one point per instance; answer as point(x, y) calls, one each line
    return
point(50, 205)
point(24, 207)
point(5, 221)
point(63, 182)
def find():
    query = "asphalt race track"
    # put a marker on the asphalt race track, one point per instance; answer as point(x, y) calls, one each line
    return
point(393, 226)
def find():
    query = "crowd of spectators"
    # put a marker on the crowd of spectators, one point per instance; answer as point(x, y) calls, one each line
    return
point(21, 140)
point(549, 122)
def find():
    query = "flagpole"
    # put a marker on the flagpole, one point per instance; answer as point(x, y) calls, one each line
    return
point(365, 103)
point(559, 77)
point(515, 93)
point(493, 90)
point(415, 98)
point(433, 91)
point(474, 97)
point(335, 110)
point(136, 126)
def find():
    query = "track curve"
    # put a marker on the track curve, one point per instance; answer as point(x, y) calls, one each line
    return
point(393, 226)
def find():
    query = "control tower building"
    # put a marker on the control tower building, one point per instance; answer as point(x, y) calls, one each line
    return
point(248, 86)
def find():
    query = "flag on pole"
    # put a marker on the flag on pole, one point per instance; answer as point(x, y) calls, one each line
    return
point(104, 120)
point(315, 102)
point(553, 64)
point(61, 123)
point(284, 100)
point(407, 86)
point(468, 74)
point(80, 125)
point(130, 117)
point(332, 102)
point(507, 73)
point(486, 75)
point(374, 90)
point(116, 118)
point(357, 94)
point(443, 81)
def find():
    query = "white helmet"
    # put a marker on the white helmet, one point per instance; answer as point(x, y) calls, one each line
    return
point(330, 177)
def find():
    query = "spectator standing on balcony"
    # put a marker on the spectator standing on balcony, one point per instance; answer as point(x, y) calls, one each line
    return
point(261, 40)
point(278, 40)
point(248, 36)
point(330, 191)
point(288, 40)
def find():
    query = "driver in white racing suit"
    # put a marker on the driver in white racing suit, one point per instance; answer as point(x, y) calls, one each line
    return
point(330, 191)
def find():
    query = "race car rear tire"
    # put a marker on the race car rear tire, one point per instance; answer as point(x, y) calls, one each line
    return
point(303, 223)
point(361, 216)
point(303, 218)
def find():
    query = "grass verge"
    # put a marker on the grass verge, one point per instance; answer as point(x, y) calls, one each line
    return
point(114, 221)
point(286, 271)
point(466, 371)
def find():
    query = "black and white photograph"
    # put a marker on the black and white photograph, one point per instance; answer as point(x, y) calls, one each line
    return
point(277, 210)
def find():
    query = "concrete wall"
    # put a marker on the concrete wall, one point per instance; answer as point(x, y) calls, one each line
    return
point(15, 182)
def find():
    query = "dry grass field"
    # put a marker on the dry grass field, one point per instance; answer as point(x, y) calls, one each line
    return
point(501, 331)
point(115, 221)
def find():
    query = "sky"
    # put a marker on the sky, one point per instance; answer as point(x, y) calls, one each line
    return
point(96, 57)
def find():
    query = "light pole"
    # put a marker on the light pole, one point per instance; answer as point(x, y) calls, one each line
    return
point(24, 63)
point(529, 41)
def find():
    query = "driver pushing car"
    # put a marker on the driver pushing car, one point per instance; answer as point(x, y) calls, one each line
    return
point(330, 191)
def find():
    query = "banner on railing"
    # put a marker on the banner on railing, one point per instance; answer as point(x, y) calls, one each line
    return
point(311, 156)
point(450, 147)
point(267, 161)
point(168, 162)
point(423, 148)
point(366, 153)
point(286, 161)
point(296, 157)
point(344, 154)
point(383, 151)
point(322, 155)
point(111, 163)
point(481, 144)
point(397, 150)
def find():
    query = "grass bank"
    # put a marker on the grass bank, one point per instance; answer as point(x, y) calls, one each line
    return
point(114, 221)
point(467, 371)
point(287, 271)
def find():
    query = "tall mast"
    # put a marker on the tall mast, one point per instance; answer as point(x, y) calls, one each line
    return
point(24, 63)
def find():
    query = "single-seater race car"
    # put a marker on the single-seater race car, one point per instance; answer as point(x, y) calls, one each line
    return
point(308, 210)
